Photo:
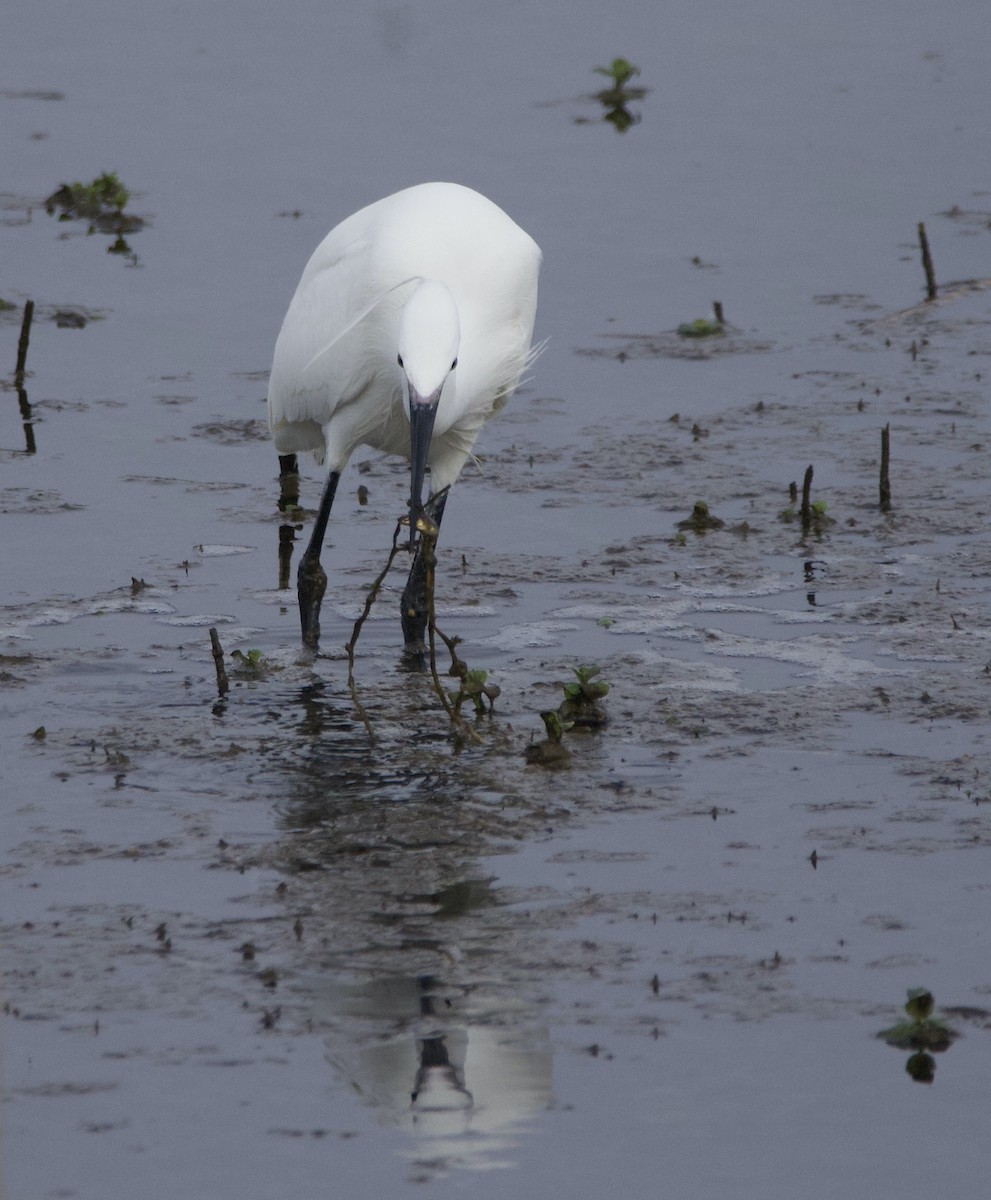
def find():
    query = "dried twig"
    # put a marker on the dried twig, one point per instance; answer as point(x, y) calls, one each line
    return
point(429, 547)
point(223, 687)
point(927, 263)
point(370, 599)
point(806, 499)
point(885, 460)
point(22, 342)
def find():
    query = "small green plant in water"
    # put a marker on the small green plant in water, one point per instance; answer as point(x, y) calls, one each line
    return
point(701, 520)
point(620, 71)
point(101, 203)
point(474, 687)
point(700, 328)
point(922, 1031)
point(581, 704)
point(616, 97)
point(253, 665)
point(551, 752)
point(104, 198)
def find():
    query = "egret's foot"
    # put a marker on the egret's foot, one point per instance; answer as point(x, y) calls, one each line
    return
point(311, 583)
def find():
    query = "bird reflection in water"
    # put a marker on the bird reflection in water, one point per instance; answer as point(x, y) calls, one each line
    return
point(462, 1073)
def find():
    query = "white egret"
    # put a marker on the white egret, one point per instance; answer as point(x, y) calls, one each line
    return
point(410, 327)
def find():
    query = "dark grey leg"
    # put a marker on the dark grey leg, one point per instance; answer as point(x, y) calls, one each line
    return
point(311, 579)
point(288, 503)
point(414, 610)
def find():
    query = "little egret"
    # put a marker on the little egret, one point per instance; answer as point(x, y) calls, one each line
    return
point(410, 327)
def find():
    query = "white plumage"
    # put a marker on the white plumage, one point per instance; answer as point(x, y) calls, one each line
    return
point(421, 304)
point(335, 382)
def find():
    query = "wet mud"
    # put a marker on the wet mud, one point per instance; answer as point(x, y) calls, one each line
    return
point(781, 704)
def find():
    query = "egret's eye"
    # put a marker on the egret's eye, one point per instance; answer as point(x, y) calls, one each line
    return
point(400, 360)
point(454, 364)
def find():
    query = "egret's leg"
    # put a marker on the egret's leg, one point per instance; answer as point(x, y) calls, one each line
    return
point(311, 579)
point(288, 503)
point(415, 611)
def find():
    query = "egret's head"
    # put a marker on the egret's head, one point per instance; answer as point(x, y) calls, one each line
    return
point(429, 334)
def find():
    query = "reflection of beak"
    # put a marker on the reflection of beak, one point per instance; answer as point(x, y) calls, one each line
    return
point(421, 426)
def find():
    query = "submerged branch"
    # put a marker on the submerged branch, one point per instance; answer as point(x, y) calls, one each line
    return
point(453, 711)
point(370, 599)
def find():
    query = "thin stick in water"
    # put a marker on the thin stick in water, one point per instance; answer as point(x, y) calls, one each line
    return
point(453, 711)
point(370, 599)
point(885, 461)
point(22, 341)
point(927, 263)
point(806, 499)
point(223, 687)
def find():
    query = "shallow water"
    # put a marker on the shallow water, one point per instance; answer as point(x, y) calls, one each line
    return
point(237, 936)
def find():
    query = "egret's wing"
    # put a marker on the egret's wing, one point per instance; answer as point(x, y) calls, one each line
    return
point(312, 369)
point(324, 353)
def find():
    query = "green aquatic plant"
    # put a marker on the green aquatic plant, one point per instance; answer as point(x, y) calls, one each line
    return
point(701, 520)
point(616, 97)
point(551, 752)
point(700, 328)
point(105, 197)
point(620, 71)
point(922, 1031)
point(583, 690)
point(474, 687)
point(581, 705)
point(100, 202)
point(250, 665)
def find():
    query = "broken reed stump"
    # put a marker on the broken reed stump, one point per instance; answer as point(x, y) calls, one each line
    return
point(927, 263)
point(806, 500)
point(223, 687)
point(22, 342)
point(885, 460)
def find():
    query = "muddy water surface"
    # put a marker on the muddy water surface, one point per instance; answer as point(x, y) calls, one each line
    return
point(244, 947)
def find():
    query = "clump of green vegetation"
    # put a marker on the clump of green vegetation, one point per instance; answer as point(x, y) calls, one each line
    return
point(701, 328)
point(620, 71)
point(701, 520)
point(581, 705)
point(253, 665)
point(616, 97)
point(817, 513)
point(922, 1031)
point(551, 752)
point(474, 687)
point(100, 202)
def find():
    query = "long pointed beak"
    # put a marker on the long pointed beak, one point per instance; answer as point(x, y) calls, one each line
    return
point(421, 427)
